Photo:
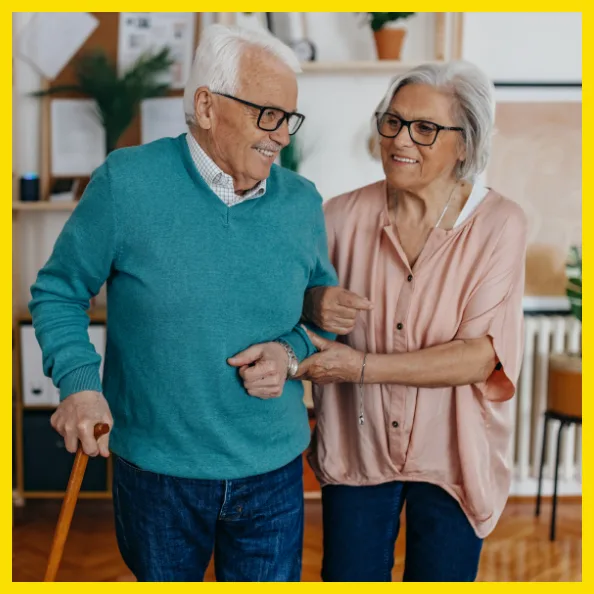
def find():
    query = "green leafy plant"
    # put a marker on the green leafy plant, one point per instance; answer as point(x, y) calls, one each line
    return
point(378, 20)
point(574, 282)
point(118, 98)
point(290, 156)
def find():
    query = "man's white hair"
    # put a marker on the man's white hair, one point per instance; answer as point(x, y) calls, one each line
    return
point(474, 106)
point(216, 63)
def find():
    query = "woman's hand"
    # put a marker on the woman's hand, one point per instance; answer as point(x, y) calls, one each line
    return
point(335, 363)
point(334, 309)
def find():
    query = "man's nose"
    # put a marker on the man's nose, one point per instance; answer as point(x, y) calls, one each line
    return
point(281, 134)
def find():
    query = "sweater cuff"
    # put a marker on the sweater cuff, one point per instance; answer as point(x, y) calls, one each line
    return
point(80, 380)
point(300, 343)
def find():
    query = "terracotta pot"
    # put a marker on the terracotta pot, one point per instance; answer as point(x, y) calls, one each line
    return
point(565, 384)
point(389, 43)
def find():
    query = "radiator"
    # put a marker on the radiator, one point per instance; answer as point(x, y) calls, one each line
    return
point(544, 334)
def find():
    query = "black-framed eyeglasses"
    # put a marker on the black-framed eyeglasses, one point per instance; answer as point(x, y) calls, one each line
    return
point(272, 118)
point(421, 131)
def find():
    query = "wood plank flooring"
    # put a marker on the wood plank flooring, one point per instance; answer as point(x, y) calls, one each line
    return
point(518, 550)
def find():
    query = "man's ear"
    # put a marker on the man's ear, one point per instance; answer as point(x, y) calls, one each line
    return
point(203, 108)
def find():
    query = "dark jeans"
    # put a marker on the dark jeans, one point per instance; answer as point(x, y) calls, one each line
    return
point(168, 528)
point(361, 526)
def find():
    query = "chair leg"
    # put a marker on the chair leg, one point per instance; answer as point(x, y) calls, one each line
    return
point(542, 462)
point(558, 455)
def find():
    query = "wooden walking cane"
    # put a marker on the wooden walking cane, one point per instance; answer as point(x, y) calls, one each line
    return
point(61, 534)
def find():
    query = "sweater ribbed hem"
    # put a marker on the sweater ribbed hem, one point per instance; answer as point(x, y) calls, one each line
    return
point(79, 380)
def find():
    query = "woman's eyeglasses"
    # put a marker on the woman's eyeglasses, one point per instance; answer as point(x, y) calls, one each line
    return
point(421, 132)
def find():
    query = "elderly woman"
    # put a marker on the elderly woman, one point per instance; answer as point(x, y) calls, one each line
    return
point(412, 402)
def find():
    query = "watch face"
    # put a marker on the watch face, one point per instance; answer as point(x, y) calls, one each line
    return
point(304, 50)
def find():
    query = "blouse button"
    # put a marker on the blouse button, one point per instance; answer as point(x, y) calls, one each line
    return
point(409, 278)
point(399, 326)
point(395, 424)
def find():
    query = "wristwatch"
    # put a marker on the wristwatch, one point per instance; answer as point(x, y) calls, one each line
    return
point(293, 364)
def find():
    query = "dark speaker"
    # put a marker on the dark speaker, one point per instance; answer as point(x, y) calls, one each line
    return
point(47, 464)
point(30, 188)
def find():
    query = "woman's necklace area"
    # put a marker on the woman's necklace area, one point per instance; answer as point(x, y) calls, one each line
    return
point(443, 212)
point(445, 208)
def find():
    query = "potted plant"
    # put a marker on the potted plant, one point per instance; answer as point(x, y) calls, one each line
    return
point(388, 40)
point(565, 369)
point(290, 155)
point(573, 270)
point(118, 98)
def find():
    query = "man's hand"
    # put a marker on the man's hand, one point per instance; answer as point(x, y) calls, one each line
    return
point(334, 309)
point(75, 420)
point(263, 368)
point(334, 363)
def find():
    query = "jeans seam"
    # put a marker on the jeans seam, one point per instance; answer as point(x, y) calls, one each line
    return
point(222, 512)
point(389, 551)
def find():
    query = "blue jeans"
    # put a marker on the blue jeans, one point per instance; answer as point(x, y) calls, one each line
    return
point(168, 528)
point(361, 526)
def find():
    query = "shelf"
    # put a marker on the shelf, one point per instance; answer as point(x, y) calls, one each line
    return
point(40, 407)
point(361, 67)
point(60, 494)
point(44, 206)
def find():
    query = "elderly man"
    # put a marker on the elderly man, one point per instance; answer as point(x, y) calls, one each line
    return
point(207, 249)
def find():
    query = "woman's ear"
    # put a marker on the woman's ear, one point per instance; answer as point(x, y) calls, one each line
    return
point(373, 147)
point(461, 151)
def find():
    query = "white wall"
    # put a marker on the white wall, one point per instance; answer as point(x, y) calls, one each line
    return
point(27, 124)
point(525, 46)
point(335, 135)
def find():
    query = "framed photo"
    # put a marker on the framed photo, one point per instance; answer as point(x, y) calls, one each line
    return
point(536, 161)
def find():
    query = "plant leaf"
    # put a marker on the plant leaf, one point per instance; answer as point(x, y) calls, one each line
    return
point(54, 90)
point(378, 20)
point(117, 98)
point(577, 311)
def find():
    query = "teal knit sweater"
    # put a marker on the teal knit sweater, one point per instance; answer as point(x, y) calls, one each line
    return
point(190, 283)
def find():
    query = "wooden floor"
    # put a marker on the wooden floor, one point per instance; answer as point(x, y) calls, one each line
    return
point(518, 550)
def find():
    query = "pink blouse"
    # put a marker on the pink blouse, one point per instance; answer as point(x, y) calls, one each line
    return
point(468, 282)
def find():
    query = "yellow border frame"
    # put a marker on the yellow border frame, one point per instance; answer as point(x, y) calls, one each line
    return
point(6, 233)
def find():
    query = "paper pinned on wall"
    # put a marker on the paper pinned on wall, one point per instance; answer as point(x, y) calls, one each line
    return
point(140, 32)
point(78, 139)
point(161, 117)
point(50, 39)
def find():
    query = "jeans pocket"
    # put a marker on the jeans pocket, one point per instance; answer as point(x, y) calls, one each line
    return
point(128, 465)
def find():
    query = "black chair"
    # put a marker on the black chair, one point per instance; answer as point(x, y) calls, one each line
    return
point(564, 421)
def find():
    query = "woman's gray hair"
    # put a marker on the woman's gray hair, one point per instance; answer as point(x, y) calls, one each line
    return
point(216, 63)
point(474, 107)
